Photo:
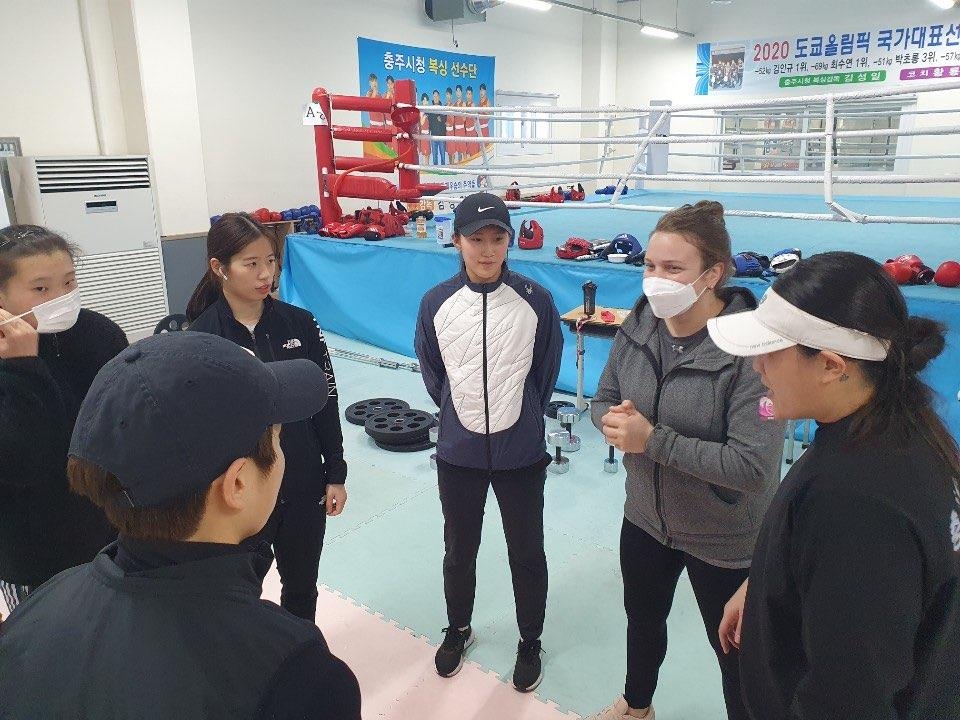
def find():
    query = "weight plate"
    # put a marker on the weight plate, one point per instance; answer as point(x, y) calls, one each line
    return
point(552, 406)
point(359, 412)
point(400, 427)
point(416, 447)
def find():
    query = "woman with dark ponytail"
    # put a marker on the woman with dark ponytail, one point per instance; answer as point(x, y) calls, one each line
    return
point(233, 301)
point(852, 607)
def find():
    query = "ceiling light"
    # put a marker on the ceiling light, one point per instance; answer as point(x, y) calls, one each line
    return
point(944, 4)
point(530, 4)
point(655, 31)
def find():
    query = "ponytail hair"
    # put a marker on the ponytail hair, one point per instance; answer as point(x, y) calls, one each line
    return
point(228, 236)
point(854, 291)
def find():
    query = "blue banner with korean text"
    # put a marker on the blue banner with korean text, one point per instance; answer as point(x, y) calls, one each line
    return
point(442, 78)
point(844, 59)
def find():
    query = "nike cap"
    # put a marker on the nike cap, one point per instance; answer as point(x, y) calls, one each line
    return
point(479, 210)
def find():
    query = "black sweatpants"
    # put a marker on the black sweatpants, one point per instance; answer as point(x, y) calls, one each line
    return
point(463, 494)
point(295, 530)
point(650, 574)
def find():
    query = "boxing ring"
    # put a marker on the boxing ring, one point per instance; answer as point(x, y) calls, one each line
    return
point(371, 291)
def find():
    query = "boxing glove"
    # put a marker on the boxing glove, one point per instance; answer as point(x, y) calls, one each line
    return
point(747, 265)
point(923, 275)
point(901, 273)
point(948, 274)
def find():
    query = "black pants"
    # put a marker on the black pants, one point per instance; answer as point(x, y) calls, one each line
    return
point(650, 574)
point(296, 531)
point(463, 493)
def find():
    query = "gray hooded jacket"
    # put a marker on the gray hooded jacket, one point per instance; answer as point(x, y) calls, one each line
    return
point(711, 466)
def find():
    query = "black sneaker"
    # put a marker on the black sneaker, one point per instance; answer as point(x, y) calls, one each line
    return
point(528, 672)
point(449, 658)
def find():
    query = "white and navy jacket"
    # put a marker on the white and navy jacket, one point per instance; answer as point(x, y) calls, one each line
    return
point(490, 355)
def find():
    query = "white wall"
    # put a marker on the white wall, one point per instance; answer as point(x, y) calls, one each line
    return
point(257, 64)
point(44, 86)
point(649, 68)
point(169, 89)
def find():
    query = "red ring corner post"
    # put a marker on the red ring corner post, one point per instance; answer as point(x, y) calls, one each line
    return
point(337, 176)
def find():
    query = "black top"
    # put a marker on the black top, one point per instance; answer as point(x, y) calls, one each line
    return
point(313, 448)
point(853, 607)
point(673, 349)
point(44, 528)
point(168, 630)
point(438, 124)
point(312, 684)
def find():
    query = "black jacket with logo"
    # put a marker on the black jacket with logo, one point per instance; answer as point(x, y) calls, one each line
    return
point(314, 447)
point(853, 607)
point(45, 528)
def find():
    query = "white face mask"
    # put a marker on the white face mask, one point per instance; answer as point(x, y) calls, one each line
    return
point(669, 298)
point(55, 315)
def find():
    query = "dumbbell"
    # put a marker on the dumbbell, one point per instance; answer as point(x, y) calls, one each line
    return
point(568, 415)
point(611, 464)
point(558, 441)
point(434, 436)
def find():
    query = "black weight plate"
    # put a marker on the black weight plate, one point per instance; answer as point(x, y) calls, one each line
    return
point(416, 447)
point(553, 406)
point(359, 412)
point(400, 427)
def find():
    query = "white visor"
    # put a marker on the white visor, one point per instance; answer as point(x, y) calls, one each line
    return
point(776, 325)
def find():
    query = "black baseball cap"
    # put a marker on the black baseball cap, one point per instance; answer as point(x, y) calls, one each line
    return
point(479, 210)
point(168, 415)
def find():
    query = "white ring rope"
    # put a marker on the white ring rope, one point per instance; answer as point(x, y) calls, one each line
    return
point(667, 139)
point(778, 215)
point(693, 107)
point(819, 154)
point(692, 177)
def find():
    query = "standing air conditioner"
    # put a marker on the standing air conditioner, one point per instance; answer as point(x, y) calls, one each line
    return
point(106, 206)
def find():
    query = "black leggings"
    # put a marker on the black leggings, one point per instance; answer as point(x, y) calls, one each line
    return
point(296, 531)
point(463, 494)
point(650, 574)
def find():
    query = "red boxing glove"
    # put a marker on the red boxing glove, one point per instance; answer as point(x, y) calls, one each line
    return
point(948, 274)
point(901, 273)
point(574, 248)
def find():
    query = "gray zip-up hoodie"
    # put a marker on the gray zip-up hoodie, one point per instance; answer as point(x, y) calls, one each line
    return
point(711, 466)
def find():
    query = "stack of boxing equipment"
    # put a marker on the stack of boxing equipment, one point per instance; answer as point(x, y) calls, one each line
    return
point(575, 194)
point(609, 190)
point(369, 224)
point(755, 265)
point(554, 196)
point(513, 193)
point(911, 270)
point(530, 236)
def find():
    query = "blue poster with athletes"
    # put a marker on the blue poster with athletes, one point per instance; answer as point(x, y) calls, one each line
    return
point(442, 78)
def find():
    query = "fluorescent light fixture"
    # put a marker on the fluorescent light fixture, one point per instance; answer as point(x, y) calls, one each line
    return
point(944, 4)
point(530, 4)
point(659, 32)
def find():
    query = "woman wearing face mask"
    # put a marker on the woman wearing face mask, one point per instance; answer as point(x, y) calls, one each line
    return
point(50, 351)
point(233, 301)
point(853, 604)
point(702, 465)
